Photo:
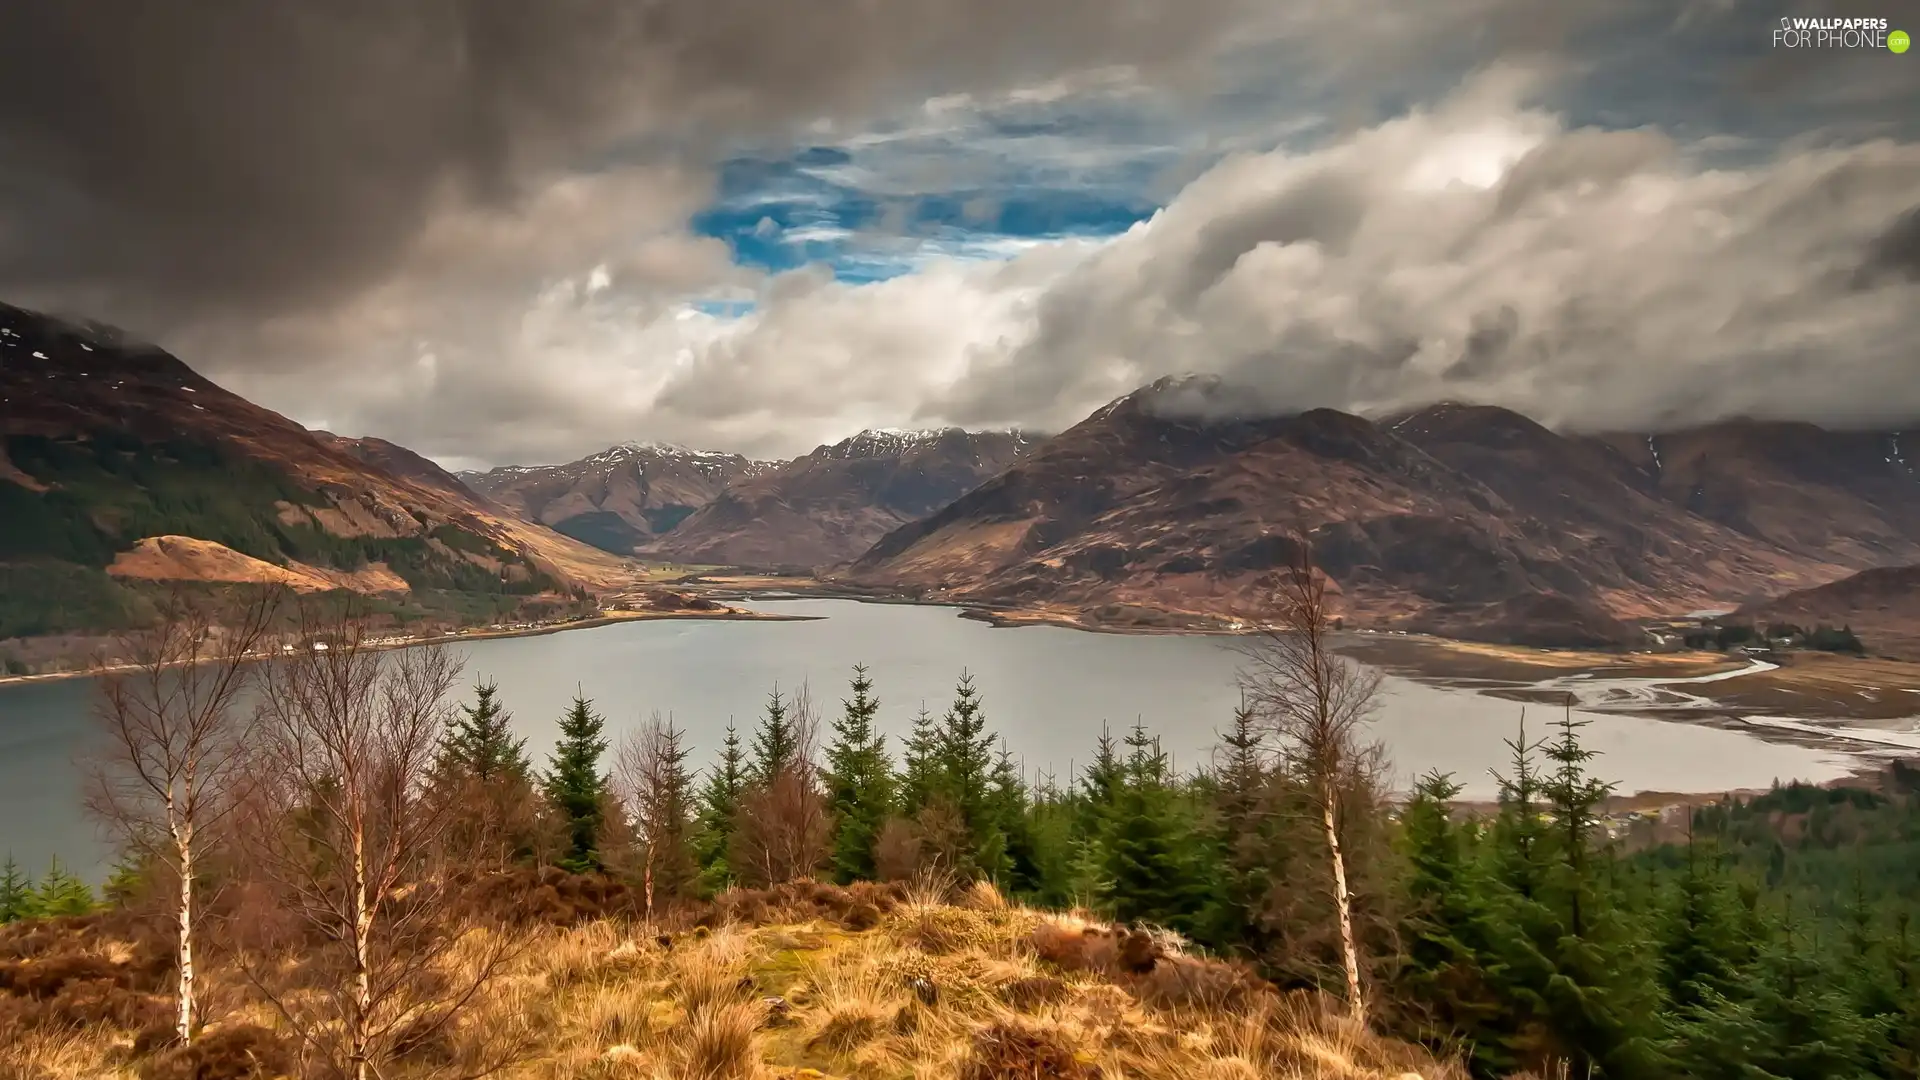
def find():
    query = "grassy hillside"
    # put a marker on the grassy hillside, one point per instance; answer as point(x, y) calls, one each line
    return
point(95, 497)
point(106, 443)
point(802, 981)
point(107, 491)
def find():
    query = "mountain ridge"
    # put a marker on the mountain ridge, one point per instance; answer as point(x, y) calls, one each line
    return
point(1468, 521)
point(1881, 605)
point(618, 499)
point(108, 445)
point(830, 505)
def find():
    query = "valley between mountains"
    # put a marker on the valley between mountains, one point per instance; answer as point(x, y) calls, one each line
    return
point(123, 470)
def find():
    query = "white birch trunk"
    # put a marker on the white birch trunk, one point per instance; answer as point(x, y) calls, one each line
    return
point(649, 882)
point(183, 847)
point(362, 962)
point(1343, 902)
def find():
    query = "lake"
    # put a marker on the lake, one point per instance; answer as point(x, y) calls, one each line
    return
point(1047, 690)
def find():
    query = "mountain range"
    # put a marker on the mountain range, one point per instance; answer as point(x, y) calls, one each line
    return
point(1461, 520)
point(1164, 508)
point(619, 499)
point(702, 506)
point(831, 505)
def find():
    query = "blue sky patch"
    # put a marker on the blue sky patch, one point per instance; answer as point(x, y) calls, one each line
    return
point(884, 206)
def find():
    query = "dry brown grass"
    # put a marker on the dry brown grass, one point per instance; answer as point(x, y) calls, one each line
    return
point(721, 1042)
point(957, 991)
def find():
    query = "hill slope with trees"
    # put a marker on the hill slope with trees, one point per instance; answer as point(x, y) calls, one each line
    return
point(819, 899)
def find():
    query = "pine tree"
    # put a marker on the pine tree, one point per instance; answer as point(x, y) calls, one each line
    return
point(16, 891)
point(1573, 970)
point(860, 783)
point(1793, 1022)
point(1701, 944)
point(131, 878)
point(1148, 876)
point(1445, 938)
point(965, 766)
point(60, 893)
point(483, 770)
point(1238, 837)
point(1575, 797)
point(920, 775)
point(1052, 826)
point(719, 808)
point(576, 788)
point(479, 742)
point(1095, 810)
point(1520, 838)
point(1009, 857)
point(1900, 1029)
point(776, 744)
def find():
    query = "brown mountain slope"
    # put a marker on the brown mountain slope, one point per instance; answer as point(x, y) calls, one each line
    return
point(402, 462)
point(620, 498)
point(582, 562)
point(1598, 502)
point(1471, 522)
point(110, 442)
point(831, 505)
point(1881, 605)
point(1850, 499)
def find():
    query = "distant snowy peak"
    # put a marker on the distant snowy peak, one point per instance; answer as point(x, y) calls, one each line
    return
point(889, 442)
point(900, 442)
point(644, 453)
point(628, 451)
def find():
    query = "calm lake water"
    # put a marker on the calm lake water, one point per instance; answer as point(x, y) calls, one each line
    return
point(1047, 690)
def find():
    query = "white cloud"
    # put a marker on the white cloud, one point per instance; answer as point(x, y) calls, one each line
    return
point(1479, 250)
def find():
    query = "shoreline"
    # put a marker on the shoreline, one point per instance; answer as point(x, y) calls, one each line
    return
point(745, 587)
point(604, 619)
point(1509, 672)
point(1813, 687)
point(1514, 673)
point(1494, 671)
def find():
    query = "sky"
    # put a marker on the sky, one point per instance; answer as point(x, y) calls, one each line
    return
point(499, 232)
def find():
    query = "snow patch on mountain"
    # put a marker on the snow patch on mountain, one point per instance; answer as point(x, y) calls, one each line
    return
point(646, 453)
point(901, 442)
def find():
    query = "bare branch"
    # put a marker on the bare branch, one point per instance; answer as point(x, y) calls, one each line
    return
point(168, 769)
point(345, 827)
point(652, 781)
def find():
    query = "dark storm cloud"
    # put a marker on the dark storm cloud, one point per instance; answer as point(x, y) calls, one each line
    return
point(465, 224)
point(166, 162)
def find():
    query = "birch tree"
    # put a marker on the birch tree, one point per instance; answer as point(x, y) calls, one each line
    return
point(169, 765)
point(784, 828)
point(1314, 702)
point(345, 830)
point(651, 777)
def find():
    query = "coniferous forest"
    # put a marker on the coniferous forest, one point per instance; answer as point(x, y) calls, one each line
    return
point(1774, 938)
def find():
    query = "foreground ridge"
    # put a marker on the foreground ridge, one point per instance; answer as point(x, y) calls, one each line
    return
point(800, 980)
